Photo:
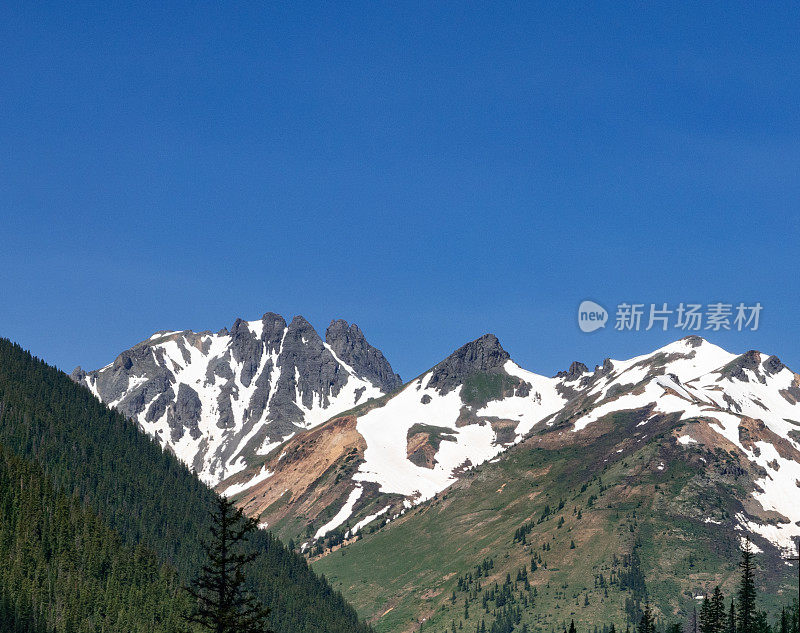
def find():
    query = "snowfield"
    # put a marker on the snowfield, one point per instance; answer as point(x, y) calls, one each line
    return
point(385, 430)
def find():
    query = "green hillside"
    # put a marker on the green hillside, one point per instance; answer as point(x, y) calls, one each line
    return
point(555, 531)
point(96, 456)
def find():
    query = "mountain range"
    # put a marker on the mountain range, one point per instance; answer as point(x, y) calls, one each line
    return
point(476, 459)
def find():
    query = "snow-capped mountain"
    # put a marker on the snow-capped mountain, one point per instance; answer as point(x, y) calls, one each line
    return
point(220, 400)
point(320, 437)
point(464, 411)
point(746, 405)
point(398, 451)
point(395, 452)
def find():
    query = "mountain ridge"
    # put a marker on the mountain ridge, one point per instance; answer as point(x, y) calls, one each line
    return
point(643, 486)
point(689, 411)
point(427, 435)
point(219, 400)
point(409, 442)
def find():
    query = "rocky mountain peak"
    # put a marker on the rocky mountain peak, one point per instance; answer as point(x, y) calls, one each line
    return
point(694, 340)
point(773, 365)
point(300, 324)
point(219, 398)
point(301, 338)
point(576, 370)
point(349, 344)
point(736, 369)
point(481, 355)
point(273, 326)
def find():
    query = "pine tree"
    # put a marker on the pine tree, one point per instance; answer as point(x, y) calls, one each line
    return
point(222, 604)
point(712, 613)
point(747, 592)
point(706, 624)
point(647, 623)
point(718, 611)
point(691, 625)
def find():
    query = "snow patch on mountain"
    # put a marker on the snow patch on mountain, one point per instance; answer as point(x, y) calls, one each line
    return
point(235, 489)
point(542, 401)
point(343, 514)
point(367, 520)
point(385, 430)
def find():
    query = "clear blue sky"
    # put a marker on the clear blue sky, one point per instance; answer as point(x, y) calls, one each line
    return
point(429, 171)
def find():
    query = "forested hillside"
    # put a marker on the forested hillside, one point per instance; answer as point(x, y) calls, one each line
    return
point(102, 459)
point(65, 571)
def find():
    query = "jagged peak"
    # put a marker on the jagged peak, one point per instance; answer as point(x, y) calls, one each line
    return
point(299, 322)
point(350, 345)
point(481, 355)
point(576, 370)
point(272, 316)
point(339, 328)
point(300, 328)
point(751, 361)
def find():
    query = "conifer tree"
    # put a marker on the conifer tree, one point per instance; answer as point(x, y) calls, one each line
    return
point(747, 592)
point(784, 621)
point(222, 605)
point(706, 624)
point(647, 623)
point(718, 611)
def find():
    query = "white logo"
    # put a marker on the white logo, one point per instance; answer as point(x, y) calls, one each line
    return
point(591, 316)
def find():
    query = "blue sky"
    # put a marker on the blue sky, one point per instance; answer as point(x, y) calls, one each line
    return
point(430, 171)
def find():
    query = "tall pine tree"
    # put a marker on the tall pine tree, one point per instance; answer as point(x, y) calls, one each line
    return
point(222, 605)
point(712, 613)
point(706, 623)
point(718, 623)
point(746, 614)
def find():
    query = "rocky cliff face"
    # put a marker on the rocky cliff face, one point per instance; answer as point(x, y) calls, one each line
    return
point(351, 347)
point(218, 400)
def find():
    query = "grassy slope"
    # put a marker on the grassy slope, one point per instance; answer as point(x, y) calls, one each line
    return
point(406, 573)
